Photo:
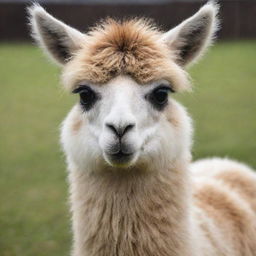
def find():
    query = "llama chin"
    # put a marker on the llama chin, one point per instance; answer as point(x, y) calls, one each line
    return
point(133, 188)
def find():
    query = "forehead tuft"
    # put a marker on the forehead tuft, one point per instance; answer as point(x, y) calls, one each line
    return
point(124, 36)
point(130, 47)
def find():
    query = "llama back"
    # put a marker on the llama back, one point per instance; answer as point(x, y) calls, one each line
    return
point(225, 193)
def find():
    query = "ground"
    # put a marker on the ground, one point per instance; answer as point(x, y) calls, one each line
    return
point(34, 216)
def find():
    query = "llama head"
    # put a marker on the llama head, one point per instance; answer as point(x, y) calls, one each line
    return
point(124, 73)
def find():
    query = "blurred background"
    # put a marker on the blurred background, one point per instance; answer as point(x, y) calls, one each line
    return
point(34, 216)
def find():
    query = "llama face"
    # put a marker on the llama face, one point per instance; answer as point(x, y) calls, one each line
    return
point(124, 117)
point(128, 124)
point(123, 72)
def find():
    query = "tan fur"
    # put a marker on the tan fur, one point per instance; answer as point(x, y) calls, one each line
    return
point(226, 195)
point(77, 123)
point(220, 205)
point(241, 182)
point(130, 47)
point(122, 209)
point(173, 115)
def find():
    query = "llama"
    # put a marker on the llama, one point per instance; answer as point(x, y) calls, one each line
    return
point(133, 188)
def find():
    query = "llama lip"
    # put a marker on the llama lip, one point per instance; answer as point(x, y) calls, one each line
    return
point(119, 158)
point(120, 149)
point(121, 154)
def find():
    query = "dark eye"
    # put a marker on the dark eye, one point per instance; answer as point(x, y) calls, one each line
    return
point(159, 97)
point(87, 96)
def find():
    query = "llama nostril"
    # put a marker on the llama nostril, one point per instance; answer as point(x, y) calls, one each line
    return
point(112, 128)
point(128, 128)
point(120, 131)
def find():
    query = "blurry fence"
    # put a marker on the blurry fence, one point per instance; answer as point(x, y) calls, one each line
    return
point(238, 18)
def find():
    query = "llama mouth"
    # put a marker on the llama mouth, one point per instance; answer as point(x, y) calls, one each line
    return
point(120, 158)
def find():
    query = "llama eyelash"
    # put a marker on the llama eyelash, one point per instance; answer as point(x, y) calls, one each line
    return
point(80, 88)
point(158, 97)
point(88, 97)
point(167, 87)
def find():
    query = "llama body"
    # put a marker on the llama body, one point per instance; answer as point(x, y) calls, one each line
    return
point(133, 188)
point(141, 212)
point(204, 208)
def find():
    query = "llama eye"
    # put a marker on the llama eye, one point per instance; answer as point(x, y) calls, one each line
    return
point(159, 97)
point(87, 96)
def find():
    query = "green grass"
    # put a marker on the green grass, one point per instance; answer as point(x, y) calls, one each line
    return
point(34, 217)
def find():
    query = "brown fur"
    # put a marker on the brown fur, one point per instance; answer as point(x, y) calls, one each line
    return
point(130, 47)
point(241, 182)
point(220, 205)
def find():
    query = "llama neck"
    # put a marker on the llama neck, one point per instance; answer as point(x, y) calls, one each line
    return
point(131, 214)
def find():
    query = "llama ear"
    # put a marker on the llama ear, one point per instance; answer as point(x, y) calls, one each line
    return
point(59, 40)
point(192, 37)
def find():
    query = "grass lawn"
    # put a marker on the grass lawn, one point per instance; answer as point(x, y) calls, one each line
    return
point(34, 217)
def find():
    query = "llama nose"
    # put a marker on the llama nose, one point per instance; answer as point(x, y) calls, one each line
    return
point(120, 130)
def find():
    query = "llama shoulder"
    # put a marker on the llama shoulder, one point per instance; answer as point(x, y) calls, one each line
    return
point(227, 174)
point(225, 192)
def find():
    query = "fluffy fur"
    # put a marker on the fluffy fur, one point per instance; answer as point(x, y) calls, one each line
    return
point(129, 47)
point(157, 203)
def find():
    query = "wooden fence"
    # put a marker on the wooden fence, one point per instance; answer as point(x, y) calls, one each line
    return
point(238, 18)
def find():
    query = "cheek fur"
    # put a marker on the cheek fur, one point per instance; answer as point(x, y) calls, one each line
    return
point(77, 141)
point(169, 137)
